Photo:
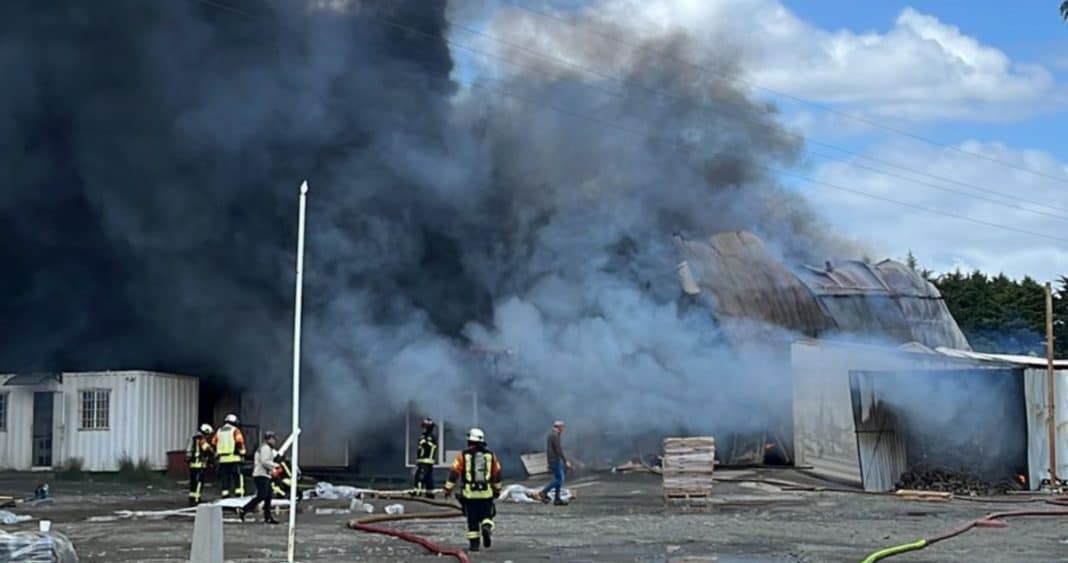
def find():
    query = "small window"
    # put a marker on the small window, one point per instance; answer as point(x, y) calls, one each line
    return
point(95, 409)
point(3, 412)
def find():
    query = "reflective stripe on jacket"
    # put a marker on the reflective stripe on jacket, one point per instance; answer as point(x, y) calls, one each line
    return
point(481, 473)
point(229, 444)
point(428, 450)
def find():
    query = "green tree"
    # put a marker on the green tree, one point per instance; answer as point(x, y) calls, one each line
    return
point(1064, 9)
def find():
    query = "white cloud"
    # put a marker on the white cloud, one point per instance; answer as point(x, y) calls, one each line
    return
point(943, 243)
point(918, 69)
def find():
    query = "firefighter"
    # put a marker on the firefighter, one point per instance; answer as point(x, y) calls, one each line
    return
point(481, 473)
point(229, 444)
point(198, 456)
point(426, 457)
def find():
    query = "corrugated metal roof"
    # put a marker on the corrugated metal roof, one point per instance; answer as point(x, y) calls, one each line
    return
point(745, 281)
point(1031, 361)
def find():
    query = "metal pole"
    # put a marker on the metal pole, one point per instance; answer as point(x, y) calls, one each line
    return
point(474, 408)
point(1050, 391)
point(296, 374)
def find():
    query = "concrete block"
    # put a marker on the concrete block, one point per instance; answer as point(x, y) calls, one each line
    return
point(207, 535)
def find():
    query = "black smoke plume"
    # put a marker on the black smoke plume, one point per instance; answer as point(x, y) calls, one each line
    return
point(152, 153)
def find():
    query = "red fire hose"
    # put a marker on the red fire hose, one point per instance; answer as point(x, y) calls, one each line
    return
point(993, 520)
point(367, 525)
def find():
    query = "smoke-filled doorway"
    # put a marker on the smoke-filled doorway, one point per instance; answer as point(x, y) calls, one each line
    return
point(962, 431)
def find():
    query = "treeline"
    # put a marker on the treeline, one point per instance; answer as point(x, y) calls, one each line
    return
point(1002, 315)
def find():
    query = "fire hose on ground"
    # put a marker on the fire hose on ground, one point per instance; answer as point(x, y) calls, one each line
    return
point(993, 520)
point(367, 524)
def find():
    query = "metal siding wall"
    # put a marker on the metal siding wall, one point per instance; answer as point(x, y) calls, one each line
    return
point(1037, 431)
point(150, 414)
point(171, 402)
point(16, 444)
point(824, 431)
point(322, 443)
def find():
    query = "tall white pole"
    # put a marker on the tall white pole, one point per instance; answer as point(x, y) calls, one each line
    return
point(295, 432)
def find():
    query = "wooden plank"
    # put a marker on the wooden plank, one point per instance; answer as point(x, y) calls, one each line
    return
point(535, 463)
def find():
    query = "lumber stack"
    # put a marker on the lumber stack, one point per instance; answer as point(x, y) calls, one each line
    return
point(687, 467)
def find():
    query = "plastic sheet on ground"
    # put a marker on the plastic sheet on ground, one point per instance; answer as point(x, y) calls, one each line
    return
point(33, 547)
point(357, 505)
point(12, 518)
point(232, 502)
point(521, 494)
point(330, 491)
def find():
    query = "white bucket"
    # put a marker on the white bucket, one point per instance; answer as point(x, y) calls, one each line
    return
point(45, 526)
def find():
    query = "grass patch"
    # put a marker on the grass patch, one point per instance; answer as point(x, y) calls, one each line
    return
point(139, 472)
point(72, 470)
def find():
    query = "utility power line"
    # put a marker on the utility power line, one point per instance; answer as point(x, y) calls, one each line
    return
point(798, 99)
point(774, 170)
point(1013, 201)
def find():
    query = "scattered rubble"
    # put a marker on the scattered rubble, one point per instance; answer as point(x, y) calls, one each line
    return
point(956, 482)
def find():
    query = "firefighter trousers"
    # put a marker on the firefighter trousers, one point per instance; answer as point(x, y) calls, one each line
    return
point(424, 479)
point(196, 484)
point(230, 479)
point(478, 512)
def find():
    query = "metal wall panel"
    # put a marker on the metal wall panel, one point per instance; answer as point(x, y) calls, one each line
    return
point(825, 436)
point(149, 415)
point(1037, 430)
point(16, 442)
point(323, 442)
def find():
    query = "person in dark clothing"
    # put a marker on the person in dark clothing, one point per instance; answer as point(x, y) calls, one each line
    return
point(426, 457)
point(262, 472)
point(480, 471)
point(554, 454)
point(198, 456)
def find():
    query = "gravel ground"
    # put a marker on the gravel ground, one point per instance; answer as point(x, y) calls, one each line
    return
point(616, 518)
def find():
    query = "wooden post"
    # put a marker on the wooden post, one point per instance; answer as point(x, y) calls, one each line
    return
point(1050, 390)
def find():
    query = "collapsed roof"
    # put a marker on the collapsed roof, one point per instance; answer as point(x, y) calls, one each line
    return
point(755, 294)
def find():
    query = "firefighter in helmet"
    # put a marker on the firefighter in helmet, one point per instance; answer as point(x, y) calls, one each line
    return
point(198, 456)
point(229, 445)
point(480, 471)
point(426, 457)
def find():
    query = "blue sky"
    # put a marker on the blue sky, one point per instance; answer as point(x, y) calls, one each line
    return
point(980, 78)
point(1029, 31)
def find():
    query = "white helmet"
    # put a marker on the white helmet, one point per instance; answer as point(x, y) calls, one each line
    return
point(476, 435)
point(205, 429)
point(231, 419)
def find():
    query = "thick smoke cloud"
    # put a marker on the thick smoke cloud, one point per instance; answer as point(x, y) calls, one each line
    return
point(153, 151)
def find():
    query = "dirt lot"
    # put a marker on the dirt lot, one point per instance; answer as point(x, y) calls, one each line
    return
point(616, 518)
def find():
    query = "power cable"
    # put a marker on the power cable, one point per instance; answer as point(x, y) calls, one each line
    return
point(765, 167)
point(775, 170)
point(1014, 200)
point(798, 99)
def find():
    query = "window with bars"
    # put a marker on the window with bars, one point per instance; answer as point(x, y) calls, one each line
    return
point(3, 412)
point(95, 409)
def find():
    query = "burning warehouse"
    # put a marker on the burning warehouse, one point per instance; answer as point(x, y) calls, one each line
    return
point(884, 387)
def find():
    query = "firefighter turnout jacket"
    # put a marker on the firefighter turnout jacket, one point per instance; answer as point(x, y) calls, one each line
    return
point(428, 450)
point(200, 451)
point(480, 471)
point(229, 444)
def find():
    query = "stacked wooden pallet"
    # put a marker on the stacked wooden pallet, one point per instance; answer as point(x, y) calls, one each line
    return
point(687, 468)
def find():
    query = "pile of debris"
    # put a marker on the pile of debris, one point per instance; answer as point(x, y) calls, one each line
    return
point(956, 482)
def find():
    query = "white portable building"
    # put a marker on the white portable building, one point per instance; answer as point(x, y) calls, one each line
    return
point(99, 418)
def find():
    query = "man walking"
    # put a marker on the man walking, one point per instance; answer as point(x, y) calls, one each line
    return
point(554, 454)
point(262, 469)
point(481, 473)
